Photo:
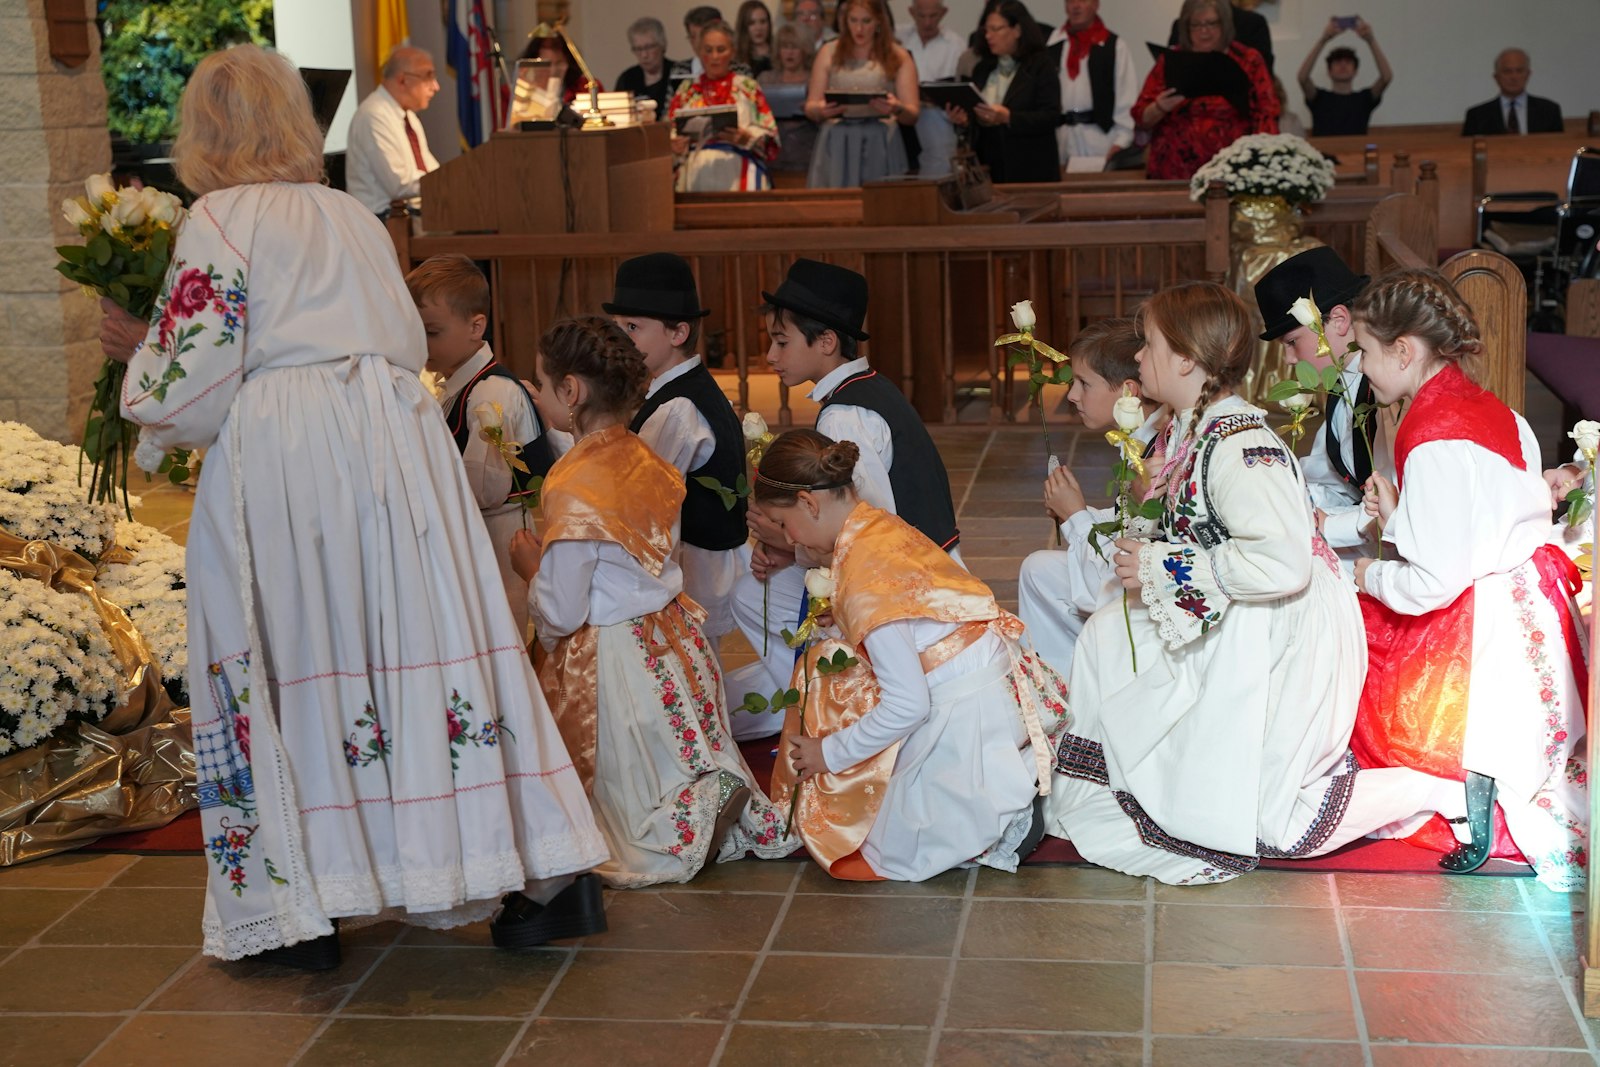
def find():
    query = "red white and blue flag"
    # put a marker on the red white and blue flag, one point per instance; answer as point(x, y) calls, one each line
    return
point(480, 103)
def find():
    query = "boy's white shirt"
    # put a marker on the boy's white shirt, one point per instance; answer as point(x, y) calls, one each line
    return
point(676, 431)
point(487, 471)
point(1345, 522)
point(867, 429)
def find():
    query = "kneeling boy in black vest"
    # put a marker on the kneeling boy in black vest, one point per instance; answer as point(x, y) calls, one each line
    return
point(452, 296)
point(687, 421)
point(815, 321)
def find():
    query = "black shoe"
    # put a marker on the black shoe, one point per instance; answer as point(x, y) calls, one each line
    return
point(1035, 832)
point(1467, 858)
point(318, 954)
point(577, 911)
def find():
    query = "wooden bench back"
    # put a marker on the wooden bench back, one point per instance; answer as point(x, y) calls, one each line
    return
point(1495, 290)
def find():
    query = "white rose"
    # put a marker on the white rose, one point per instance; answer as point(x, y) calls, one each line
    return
point(74, 213)
point(489, 416)
point(108, 223)
point(1304, 311)
point(1294, 405)
point(1128, 412)
point(161, 207)
point(1587, 435)
point(819, 583)
point(755, 427)
point(128, 211)
point(100, 189)
point(432, 382)
point(148, 456)
point(1022, 315)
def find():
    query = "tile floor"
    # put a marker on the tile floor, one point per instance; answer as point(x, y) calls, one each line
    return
point(774, 964)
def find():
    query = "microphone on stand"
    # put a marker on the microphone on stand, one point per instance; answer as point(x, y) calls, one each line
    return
point(499, 56)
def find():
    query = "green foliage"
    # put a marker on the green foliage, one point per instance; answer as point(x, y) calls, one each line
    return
point(152, 46)
point(777, 704)
point(1579, 507)
point(837, 663)
point(729, 497)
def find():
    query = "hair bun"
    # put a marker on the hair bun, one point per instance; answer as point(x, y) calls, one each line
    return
point(838, 461)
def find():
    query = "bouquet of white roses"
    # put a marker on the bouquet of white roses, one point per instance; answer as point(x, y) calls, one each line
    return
point(1267, 164)
point(127, 247)
point(59, 664)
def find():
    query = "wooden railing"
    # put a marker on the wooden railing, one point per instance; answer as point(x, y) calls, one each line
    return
point(941, 279)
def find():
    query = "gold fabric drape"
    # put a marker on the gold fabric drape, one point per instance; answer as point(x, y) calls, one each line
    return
point(1265, 231)
point(133, 770)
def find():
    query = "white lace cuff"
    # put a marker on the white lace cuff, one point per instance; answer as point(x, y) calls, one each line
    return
point(1178, 587)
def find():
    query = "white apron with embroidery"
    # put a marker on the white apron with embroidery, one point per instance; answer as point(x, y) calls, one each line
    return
point(400, 755)
point(1231, 741)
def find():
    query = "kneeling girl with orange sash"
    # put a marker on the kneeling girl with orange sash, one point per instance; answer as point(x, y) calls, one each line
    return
point(929, 750)
point(630, 677)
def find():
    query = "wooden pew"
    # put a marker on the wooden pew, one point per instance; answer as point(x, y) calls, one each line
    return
point(1403, 230)
point(1495, 290)
point(1468, 168)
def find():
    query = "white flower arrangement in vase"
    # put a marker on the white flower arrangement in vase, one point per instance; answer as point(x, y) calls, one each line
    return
point(1267, 165)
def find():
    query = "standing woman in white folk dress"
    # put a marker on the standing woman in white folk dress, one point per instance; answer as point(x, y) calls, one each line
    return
point(400, 758)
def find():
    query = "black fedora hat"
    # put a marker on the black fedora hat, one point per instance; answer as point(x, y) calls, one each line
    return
point(657, 286)
point(833, 296)
point(1318, 273)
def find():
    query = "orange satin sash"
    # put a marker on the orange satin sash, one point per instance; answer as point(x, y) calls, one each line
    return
point(609, 487)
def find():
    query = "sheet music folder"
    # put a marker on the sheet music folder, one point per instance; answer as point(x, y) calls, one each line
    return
point(1196, 74)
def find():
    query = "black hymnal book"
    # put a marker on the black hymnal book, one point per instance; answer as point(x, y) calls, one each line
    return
point(952, 92)
point(703, 123)
point(1195, 74)
point(849, 99)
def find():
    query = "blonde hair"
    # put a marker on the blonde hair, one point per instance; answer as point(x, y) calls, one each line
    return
point(1420, 303)
point(245, 119)
point(1210, 325)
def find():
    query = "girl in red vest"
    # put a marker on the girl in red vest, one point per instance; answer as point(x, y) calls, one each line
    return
point(1476, 660)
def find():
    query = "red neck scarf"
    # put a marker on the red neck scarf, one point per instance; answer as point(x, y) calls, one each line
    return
point(716, 91)
point(1080, 41)
point(1451, 407)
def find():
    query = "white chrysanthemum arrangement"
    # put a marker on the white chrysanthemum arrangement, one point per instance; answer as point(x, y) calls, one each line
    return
point(151, 589)
point(40, 498)
point(55, 662)
point(1267, 164)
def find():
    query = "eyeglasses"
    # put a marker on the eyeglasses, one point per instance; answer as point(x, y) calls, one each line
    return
point(1205, 24)
point(425, 77)
point(641, 49)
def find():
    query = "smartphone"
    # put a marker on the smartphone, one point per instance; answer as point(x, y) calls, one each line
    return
point(1346, 22)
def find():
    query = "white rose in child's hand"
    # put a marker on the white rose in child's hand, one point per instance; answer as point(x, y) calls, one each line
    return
point(1294, 405)
point(1022, 315)
point(489, 416)
point(1587, 436)
point(129, 211)
point(1128, 412)
point(819, 583)
point(1304, 311)
point(755, 427)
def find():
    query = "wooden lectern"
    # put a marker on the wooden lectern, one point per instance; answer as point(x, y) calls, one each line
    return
point(552, 182)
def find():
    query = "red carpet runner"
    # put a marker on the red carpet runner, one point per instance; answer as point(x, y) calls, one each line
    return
point(1379, 857)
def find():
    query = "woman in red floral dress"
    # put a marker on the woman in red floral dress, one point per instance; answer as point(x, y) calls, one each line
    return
point(1185, 133)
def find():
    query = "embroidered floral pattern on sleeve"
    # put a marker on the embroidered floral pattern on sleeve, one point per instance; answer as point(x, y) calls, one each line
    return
point(1265, 455)
point(1179, 566)
point(193, 291)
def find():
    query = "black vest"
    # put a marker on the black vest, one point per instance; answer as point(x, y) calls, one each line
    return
point(536, 453)
point(707, 522)
point(917, 476)
point(1102, 63)
point(1103, 81)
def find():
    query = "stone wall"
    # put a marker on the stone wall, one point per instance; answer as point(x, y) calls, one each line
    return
point(52, 136)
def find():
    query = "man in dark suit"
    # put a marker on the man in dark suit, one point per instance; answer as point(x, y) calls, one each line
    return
point(1248, 28)
point(1513, 111)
